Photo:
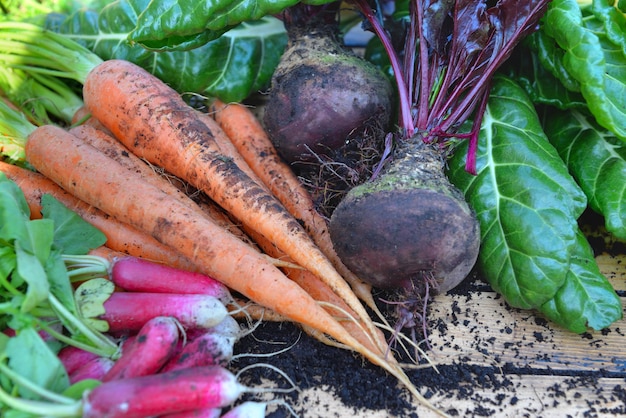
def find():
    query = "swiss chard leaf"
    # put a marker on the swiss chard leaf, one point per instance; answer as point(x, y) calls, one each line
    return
point(230, 67)
point(596, 159)
point(587, 298)
point(189, 23)
point(525, 200)
point(598, 64)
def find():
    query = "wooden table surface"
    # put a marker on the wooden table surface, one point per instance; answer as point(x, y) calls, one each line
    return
point(510, 363)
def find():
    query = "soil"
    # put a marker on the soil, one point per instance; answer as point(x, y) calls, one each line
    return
point(350, 379)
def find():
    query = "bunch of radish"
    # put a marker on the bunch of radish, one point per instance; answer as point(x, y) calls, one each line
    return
point(176, 339)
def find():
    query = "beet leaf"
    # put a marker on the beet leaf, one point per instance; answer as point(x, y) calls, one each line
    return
point(460, 44)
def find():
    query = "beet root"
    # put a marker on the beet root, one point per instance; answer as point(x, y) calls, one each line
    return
point(409, 224)
point(321, 94)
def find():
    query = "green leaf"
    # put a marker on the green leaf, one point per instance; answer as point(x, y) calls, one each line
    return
point(613, 19)
point(593, 60)
point(72, 234)
point(59, 281)
point(40, 233)
point(230, 67)
point(90, 297)
point(170, 23)
point(586, 299)
point(32, 359)
point(14, 211)
point(524, 198)
point(596, 159)
point(30, 270)
point(540, 84)
point(7, 262)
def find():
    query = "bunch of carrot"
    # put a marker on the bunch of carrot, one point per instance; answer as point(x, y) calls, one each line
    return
point(257, 232)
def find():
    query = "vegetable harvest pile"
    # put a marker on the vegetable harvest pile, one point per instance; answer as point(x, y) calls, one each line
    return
point(144, 206)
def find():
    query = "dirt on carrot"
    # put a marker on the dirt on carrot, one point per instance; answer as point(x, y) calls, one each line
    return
point(153, 121)
point(121, 237)
point(77, 166)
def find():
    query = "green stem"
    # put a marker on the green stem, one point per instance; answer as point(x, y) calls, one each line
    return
point(39, 390)
point(38, 408)
point(85, 267)
point(75, 343)
point(95, 337)
point(47, 50)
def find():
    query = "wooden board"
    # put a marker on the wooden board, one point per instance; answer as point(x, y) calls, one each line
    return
point(497, 361)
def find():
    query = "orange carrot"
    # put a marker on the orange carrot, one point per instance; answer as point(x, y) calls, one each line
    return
point(114, 149)
point(121, 237)
point(90, 175)
point(153, 121)
point(319, 291)
point(82, 116)
point(118, 152)
point(251, 140)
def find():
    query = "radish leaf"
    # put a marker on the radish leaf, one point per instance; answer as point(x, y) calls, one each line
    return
point(90, 297)
point(587, 298)
point(72, 234)
point(525, 200)
point(597, 160)
point(31, 358)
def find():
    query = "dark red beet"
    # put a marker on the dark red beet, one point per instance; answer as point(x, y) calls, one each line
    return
point(408, 224)
point(321, 94)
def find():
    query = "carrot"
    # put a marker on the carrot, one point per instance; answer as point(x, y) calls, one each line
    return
point(153, 121)
point(320, 291)
point(251, 140)
point(168, 183)
point(114, 149)
point(121, 237)
point(93, 177)
point(82, 117)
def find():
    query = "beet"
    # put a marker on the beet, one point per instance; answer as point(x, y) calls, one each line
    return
point(321, 93)
point(408, 224)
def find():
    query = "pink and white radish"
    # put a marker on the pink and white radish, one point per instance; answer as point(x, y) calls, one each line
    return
point(118, 312)
point(215, 346)
point(73, 358)
point(153, 346)
point(139, 275)
point(95, 369)
point(164, 393)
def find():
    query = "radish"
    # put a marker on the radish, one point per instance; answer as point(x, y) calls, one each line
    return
point(117, 312)
point(153, 346)
point(196, 413)
point(249, 409)
point(74, 358)
point(214, 347)
point(164, 393)
point(139, 275)
point(95, 369)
